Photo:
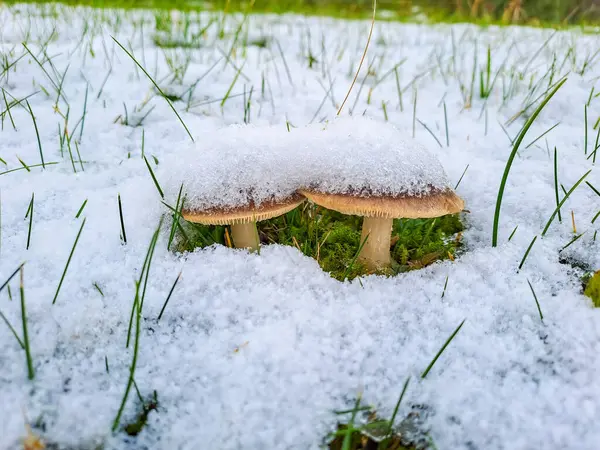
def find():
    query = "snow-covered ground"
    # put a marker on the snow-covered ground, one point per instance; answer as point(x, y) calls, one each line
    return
point(257, 351)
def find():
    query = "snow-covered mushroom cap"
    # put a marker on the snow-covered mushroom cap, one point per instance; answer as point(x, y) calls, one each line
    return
point(238, 167)
point(367, 158)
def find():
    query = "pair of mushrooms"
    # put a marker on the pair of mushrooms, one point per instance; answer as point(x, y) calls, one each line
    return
point(378, 212)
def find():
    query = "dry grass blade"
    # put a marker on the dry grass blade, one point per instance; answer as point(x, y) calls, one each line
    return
point(362, 59)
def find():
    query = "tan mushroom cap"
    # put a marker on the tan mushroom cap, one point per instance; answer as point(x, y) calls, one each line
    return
point(433, 204)
point(245, 214)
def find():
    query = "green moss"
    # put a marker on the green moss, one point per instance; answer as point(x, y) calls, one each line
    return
point(592, 288)
point(333, 239)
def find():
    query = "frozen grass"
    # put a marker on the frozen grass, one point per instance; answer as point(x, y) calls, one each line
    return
point(216, 347)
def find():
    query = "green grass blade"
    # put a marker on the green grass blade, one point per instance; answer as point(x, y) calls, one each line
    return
point(138, 316)
point(169, 296)
point(30, 212)
point(527, 252)
point(124, 235)
point(81, 209)
point(568, 194)
point(556, 182)
point(11, 277)
point(37, 133)
point(160, 191)
point(512, 157)
point(424, 374)
point(30, 372)
point(157, 87)
point(68, 262)
point(536, 301)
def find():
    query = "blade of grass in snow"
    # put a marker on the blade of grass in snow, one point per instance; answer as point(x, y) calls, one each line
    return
point(60, 85)
point(176, 217)
point(26, 167)
point(399, 90)
point(445, 286)
point(83, 116)
point(572, 241)
point(527, 252)
point(30, 372)
point(362, 59)
point(593, 188)
point(37, 133)
point(543, 134)
point(461, 177)
point(536, 301)
point(585, 127)
point(414, 114)
point(556, 182)
point(160, 191)
point(79, 155)
point(30, 213)
point(123, 234)
point(11, 277)
point(13, 331)
point(596, 146)
point(162, 310)
point(138, 315)
point(431, 133)
point(81, 209)
point(396, 408)
point(45, 72)
point(235, 78)
point(512, 157)
point(424, 374)
point(446, 123)
point(98, 289)
point(9, 113)
point(156, 86)
point(68, 262)
point(145, 271)
point(568, 194)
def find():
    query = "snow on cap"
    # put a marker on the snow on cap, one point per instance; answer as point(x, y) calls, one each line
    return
point(242, 167)
point(369, 158)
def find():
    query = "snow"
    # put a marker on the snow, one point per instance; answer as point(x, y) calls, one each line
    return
point(227, 168)
point(257, 351)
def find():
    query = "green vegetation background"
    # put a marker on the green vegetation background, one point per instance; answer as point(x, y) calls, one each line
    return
point(533, 12)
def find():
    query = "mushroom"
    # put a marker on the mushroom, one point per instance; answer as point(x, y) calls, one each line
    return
point(243, 219)
point(379, 213)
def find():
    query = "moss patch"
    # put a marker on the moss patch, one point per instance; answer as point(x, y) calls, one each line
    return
point(333, 239)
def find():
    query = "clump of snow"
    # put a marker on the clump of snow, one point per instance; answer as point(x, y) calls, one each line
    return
point(349, 155)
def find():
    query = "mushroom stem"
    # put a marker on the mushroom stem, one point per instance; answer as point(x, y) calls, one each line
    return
point(245, 235)
point(375, 253)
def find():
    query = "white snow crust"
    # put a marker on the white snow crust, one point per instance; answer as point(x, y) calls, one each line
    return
point(227, 167)
point(257, 351)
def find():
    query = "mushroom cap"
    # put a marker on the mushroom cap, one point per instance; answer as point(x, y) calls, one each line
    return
point(435, 203)
point(243, 214)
